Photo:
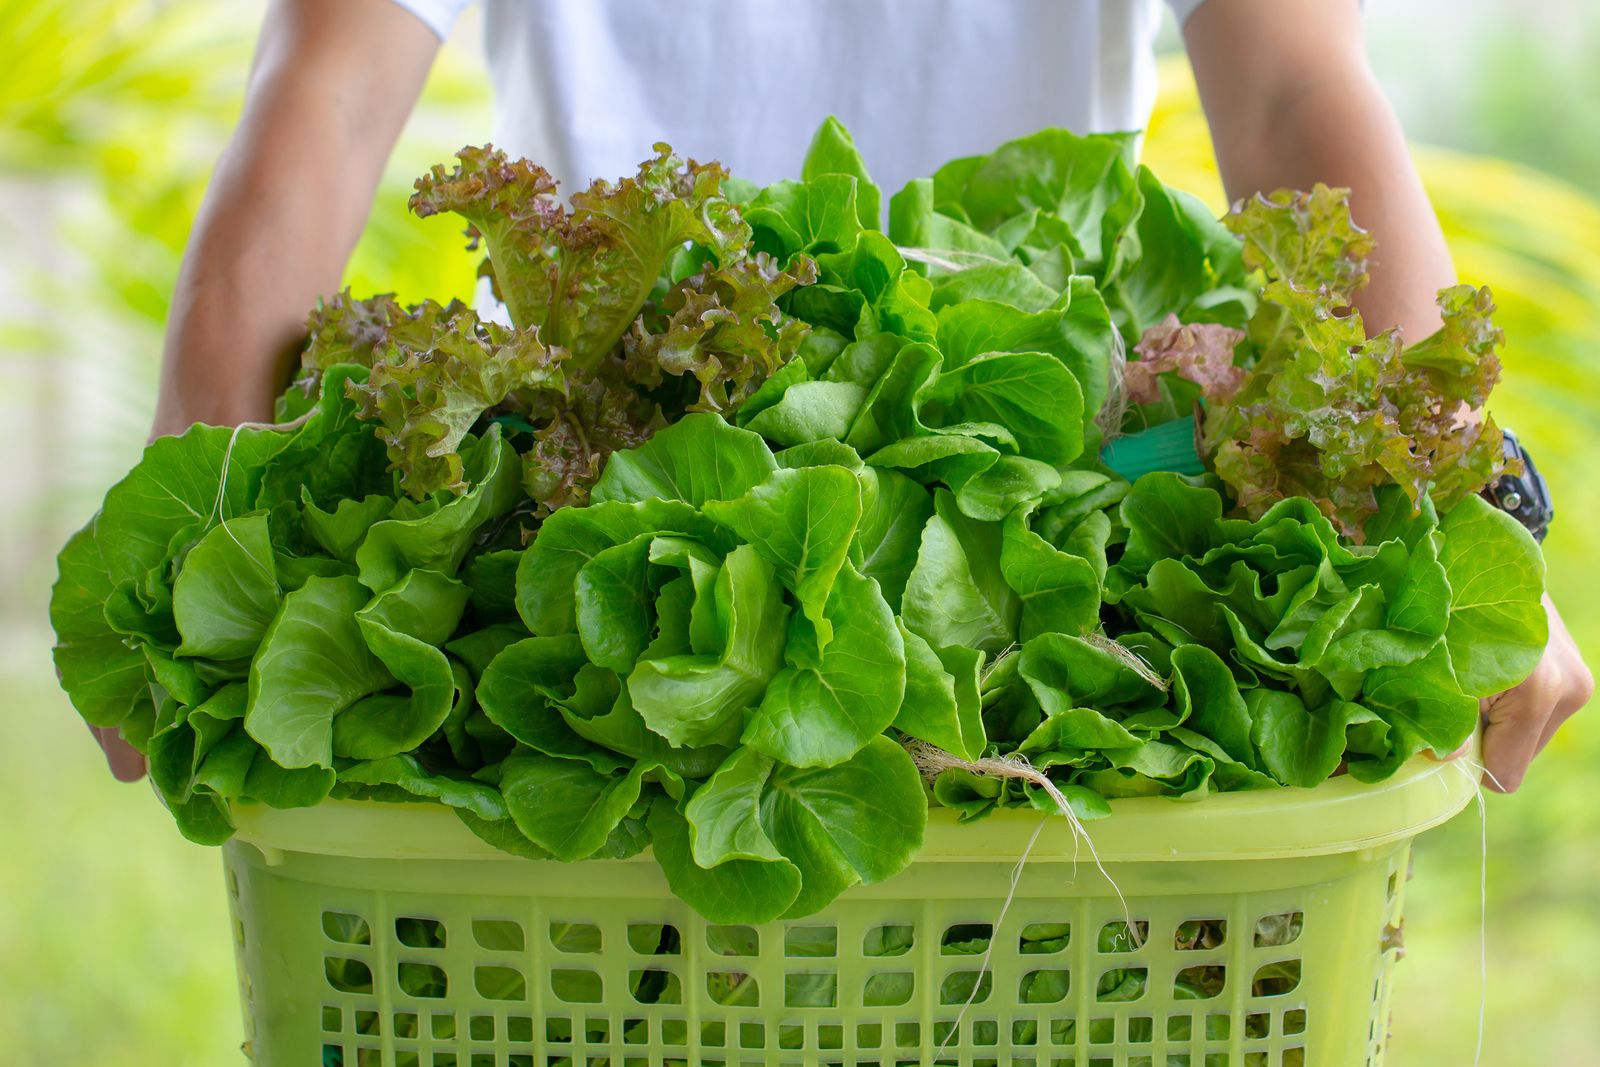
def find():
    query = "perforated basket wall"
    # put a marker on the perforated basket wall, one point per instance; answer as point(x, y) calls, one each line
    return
point(479, 960)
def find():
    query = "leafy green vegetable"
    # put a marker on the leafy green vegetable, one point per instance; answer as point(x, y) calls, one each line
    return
point(1330, 414)
point(751, 495)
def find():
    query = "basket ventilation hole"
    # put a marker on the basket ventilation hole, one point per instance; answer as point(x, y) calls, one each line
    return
point(405, 1025)
point(810, 990)
point(733, 941)
point(811, 942)
point(1117, 937)
point(345, 928)
point(958, 988)
point(1040, 939)
point(1200, 983)
point(558, 1029)
point(481, 1028)
point(1102, 1031)
point(419, 933)
point(577, 986)
point(1197, 935)
point(1121, 985)
point(1044, 987)
point(655, 986)
point(422, 980)
point(655, 939)
point(888, 989)
point(444, 1027)
point(1282, 928)
point(752, 1035)
point(1294, 1021)
point(1276, 979)
point(367, 1023)
point(575, 938)
point(966, 939)
point(369, 1057)
point(733, 988)
point(407, 1059)
point(347, 975)
point(498, 935)
point(500, 983)
point(888, 941)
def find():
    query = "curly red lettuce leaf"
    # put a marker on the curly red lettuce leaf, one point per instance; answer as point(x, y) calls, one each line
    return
point(721, 328)
point(599, 416)
point(1331, 414)
point(436, 370)
point(1200, 352)
point(581, 277)
point(640, 298)
point(1305, 240)
point(427, 397)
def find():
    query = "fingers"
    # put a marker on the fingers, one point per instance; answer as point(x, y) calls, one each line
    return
point(1515, 722)
point(125, 761)
point(1520, 722)
point(1576, 693)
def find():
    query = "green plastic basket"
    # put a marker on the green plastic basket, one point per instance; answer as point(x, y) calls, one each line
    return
point(373, 935)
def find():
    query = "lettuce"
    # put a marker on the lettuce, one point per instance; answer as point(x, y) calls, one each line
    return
point(1328, 413)
point(744, 500)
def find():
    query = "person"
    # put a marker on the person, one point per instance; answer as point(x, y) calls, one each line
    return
point(584, 87)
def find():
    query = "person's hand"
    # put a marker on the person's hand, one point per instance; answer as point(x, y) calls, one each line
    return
point(126, 762)
point(1520, 722)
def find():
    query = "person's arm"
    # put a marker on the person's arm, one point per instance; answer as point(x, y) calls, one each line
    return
point(1292, 101)
point(330, 88)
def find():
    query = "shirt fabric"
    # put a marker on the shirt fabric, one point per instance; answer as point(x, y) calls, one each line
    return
point(585, 87)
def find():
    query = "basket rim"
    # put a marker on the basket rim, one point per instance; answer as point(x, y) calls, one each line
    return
point(1340, 815)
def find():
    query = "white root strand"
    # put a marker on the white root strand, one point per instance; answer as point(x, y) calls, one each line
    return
point(932, 760)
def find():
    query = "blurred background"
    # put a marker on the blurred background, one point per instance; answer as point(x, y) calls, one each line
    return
point(113, 945)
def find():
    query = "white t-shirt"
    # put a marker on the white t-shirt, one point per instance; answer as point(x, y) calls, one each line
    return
point(585, 87)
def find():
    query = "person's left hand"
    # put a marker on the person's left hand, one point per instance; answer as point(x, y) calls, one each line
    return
point(1520, 722)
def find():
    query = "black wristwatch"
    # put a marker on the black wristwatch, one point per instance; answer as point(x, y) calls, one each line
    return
point(1524, 497)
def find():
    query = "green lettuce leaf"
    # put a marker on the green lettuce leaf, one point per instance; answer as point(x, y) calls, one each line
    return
point(832, 699)
point(313, 664)
point(1498, 627)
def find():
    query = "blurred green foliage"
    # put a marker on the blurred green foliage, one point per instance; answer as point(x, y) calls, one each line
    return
point(113, 933)
point(1532, 82)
